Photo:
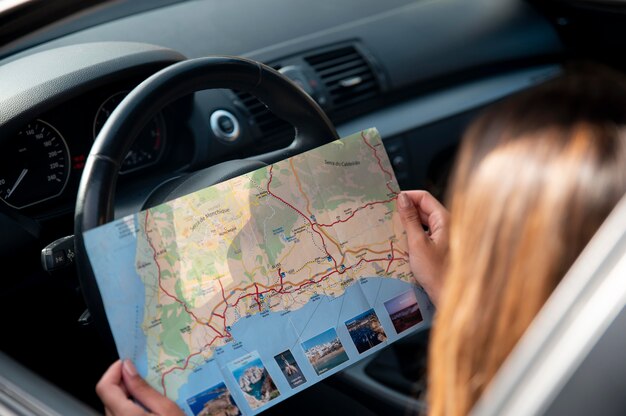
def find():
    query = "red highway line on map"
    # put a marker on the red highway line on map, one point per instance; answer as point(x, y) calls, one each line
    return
point(355, 211)
point(183, 304)
point(280, 276)
point(213, 328)
point(257, 296)
point(299, 212)
point(312, 281)
point(223, 295)
point(391, 259)
point(184, 367)
point(380, 163)
point(225, 301)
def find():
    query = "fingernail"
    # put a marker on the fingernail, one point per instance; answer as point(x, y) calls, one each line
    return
point(129, 368)
point(403, 200)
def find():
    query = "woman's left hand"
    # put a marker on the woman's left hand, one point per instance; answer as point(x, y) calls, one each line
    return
point(121, 383)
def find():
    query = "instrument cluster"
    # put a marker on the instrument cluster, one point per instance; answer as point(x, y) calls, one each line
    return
point(41, 164)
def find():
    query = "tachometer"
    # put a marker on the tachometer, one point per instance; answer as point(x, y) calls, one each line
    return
point(147, 148)
point(35, 166)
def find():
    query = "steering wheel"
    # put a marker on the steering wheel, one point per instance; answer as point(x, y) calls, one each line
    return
point(95, 201)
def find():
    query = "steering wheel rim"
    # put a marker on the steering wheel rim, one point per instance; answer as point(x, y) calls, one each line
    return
point(95, 200)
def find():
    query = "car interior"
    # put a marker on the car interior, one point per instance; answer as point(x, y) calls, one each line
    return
point(417, 70)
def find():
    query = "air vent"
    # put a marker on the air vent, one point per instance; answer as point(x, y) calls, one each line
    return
point(348, 77)
point(275, 132)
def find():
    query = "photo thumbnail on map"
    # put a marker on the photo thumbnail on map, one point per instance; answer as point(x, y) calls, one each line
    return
point(215, 401)
point(404, 311)
point(253, 379)
point(325, 351)
point(290, 368)
point(366, 331)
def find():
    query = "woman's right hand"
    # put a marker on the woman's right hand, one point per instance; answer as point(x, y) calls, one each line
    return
point(427, 249)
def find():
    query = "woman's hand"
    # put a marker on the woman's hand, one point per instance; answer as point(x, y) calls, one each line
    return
point(121, 383)
point(427, 249)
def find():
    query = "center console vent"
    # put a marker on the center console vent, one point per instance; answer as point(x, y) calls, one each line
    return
point(342, 78)
point(275, 133)
point(346, 74)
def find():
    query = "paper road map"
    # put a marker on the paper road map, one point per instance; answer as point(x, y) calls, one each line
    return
point(234, 298)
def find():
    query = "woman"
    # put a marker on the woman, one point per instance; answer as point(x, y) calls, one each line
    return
point(535, 177)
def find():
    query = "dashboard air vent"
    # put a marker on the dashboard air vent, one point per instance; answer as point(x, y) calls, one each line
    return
point(348, 77)
point(275, 132)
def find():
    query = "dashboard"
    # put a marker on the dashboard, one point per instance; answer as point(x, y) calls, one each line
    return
point(418, 70)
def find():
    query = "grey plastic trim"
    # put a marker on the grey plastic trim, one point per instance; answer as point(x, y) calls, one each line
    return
point(25, 393)
point(4, 409)
point(570, 324)
point(430, 108)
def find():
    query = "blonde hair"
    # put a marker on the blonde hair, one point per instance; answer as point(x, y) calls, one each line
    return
point(535, 177)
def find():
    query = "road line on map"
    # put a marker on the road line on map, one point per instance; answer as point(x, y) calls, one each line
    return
point(391, 259)
point(380, 163)
point(184, 367)
point(299, 212)
point(357, 210)
point(154, 257)
point(295, 174)
point(164, 374)
point(257, 296)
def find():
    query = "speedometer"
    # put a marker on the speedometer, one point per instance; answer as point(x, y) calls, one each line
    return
point(147, 148)
point(35, 167)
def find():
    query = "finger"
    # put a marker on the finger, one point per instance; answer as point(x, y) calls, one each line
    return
point(111, 392)
point(410, 217)
point(416, 198)
point(145, 394)
point(432, 213)
point(108, 387)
